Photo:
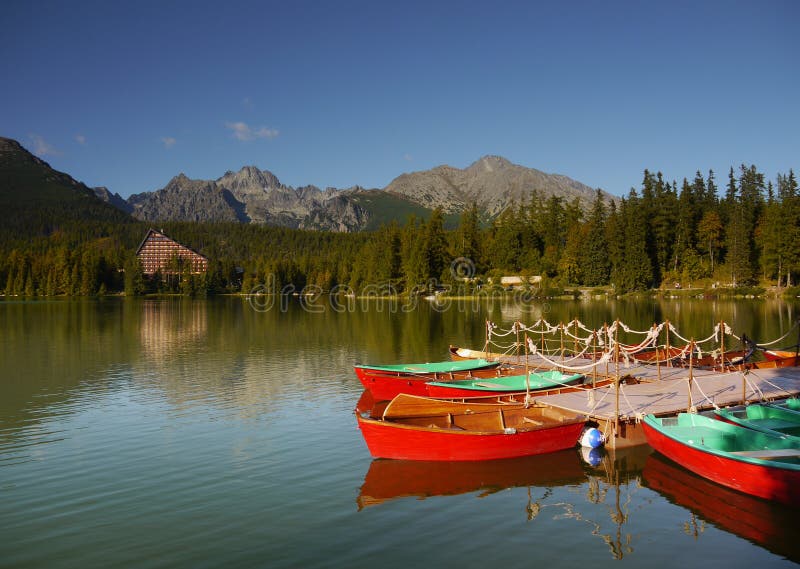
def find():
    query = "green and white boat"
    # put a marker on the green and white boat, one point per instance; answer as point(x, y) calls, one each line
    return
point(509, 384)
point(764, 418)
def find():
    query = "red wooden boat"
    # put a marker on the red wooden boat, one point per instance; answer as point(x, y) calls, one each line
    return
point(756, 463)
point(419, 428)
point(769, 524)
point(390, 479)
point(777, 358)
point(386, 381)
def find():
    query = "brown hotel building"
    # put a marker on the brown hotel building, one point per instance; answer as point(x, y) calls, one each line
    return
point(157, 250)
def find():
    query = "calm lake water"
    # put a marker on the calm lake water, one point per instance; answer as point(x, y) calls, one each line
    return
point(220, 433)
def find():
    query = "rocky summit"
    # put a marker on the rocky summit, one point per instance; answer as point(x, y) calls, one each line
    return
point(492, 182)
point(250, 196)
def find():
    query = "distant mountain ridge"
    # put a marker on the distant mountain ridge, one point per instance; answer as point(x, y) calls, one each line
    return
point(492, 182)
point(252, 195)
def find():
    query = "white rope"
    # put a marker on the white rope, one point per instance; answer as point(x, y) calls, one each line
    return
point(625, 395)
point(703, 393)
point(504, 347)
point(503, 334)
point(781, 338)
point(578, 338)
point(756, 389)
point(596, 405)
point(713, 335)
point(628, 330)
point(534, 350)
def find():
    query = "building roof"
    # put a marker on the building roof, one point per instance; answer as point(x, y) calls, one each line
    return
point(152, 231)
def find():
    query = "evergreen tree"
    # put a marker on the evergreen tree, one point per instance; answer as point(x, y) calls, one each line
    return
point(468, 237)
point(134, 277)
point(637, 270)
point(436, 245)
point(415, 266)
point(553, 229)
point(709, 235)
point(615, 236)
point(506, 250)
point(595, 262)
point(769, 237)
point(789, 197)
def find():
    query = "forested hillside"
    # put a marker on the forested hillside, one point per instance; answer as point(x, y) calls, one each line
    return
point(745, 233)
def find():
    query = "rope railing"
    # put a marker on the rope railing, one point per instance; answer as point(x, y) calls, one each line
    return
point(604, 346)
point(781, 339)
point(606, 339)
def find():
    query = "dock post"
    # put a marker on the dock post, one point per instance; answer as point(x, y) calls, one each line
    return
point(691, 365)
point(594, 359)
point(616, 382)
point(658, 359)
point(721, 345)
point(669, 356)
point(575, 347)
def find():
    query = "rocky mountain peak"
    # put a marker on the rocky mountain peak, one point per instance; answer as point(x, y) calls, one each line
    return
point(249, 180)
point(114, 199)
point(489, 163)
point(492, 182)
point(9, 145)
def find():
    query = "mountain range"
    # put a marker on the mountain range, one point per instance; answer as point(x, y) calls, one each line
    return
point(251, 195)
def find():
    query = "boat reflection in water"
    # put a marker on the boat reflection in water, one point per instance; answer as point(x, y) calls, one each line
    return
point(591, 490)
point(768, 524)
point(390, 479)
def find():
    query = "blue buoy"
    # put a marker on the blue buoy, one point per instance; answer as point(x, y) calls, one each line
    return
point(592, 438)
point(592, 456)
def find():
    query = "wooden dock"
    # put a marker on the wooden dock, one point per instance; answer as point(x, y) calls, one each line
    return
point(670, 395)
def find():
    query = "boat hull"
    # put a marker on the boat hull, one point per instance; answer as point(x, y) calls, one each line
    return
point(768, 482)
point(388, 440)
point(384, 387)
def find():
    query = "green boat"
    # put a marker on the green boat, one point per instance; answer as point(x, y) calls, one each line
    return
point(765, 418)
point(508, 384)
point(762, 464)
point(791, 403)
point(434, 367)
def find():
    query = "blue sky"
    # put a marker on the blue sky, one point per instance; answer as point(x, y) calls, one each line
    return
point(129, 94)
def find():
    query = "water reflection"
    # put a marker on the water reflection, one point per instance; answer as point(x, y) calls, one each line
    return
point(167, 328)
point(392, 479)
point(599, 497)
point(768, 524)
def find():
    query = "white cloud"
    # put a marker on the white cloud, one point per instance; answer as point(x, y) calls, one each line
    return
point(43, 148)
point(242, 131)
point(80, 139)
point(168, 141)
